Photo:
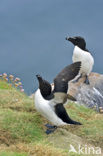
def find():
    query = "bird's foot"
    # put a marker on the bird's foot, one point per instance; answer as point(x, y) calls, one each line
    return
point(50, 129)
point(50, 126)
point(87, 81)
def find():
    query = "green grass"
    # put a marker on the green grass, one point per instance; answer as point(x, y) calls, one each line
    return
point(18, 116)
point(22, 131)
point(5, 85)
point(21, 125)
point(12, 154)
point(92, 128)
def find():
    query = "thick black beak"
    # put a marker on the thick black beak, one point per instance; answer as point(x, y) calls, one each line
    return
point(69, 39)
point(39, 77)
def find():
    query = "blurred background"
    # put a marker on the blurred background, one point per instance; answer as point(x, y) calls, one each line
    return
point(32, 36)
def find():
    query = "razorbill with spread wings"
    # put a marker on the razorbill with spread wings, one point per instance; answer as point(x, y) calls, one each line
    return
point(50, 102)
point(80, 53)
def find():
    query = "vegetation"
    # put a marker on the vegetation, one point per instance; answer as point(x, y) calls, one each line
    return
point(22, 130)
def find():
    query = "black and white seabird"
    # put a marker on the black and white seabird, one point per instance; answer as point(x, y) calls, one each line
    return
point(80, 53)
point(50, 102)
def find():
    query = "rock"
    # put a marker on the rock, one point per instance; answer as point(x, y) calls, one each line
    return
point(64, 139)
point(101, 110)
point(88, 95)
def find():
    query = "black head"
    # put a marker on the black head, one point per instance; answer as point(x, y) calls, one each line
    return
point(44, 86)
point(77, 41)
point(39, 78)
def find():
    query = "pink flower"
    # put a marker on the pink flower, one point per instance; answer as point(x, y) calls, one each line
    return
point(11, 77)
point(4, 75)
point(6, 79)
point(17, 79)
point(22, 90)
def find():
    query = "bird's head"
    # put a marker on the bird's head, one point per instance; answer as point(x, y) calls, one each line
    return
point(77, 41)
point(39, 78)
point(44, 86)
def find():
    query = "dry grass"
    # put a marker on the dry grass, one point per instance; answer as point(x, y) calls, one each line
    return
point(33, 150)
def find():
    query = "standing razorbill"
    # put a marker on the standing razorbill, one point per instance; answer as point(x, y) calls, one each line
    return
point(50, 102)
point(80, 53)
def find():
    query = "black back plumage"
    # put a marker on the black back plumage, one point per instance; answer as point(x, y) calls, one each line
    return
point(67, 74)
point(60, 82)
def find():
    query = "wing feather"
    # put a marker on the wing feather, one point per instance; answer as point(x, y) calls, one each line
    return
point(67, 74)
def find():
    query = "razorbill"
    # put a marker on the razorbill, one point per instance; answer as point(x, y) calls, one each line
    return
point(80, 53)
point(50, 102)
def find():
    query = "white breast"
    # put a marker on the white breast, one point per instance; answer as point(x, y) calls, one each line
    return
point(46, 108)
point(85, 58)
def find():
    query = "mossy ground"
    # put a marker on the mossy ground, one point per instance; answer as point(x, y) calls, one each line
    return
point(22, 130)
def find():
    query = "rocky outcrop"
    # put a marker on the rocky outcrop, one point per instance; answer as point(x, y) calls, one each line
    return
point(89, 95)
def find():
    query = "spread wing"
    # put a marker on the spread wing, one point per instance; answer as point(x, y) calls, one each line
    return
point(67, 74)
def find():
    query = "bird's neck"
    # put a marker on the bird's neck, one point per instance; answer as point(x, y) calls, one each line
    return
point(78, 49)
point(45, 94)
point(82, 45)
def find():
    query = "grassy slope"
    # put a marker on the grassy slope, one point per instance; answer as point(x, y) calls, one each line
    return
point(22, 128)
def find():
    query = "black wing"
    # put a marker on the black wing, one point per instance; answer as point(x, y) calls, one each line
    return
point(62, 114)
point(67, 74)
